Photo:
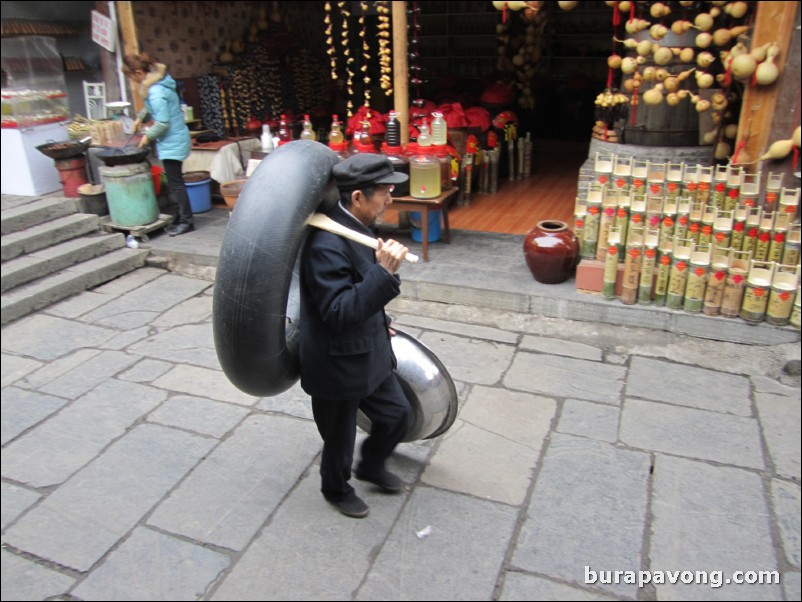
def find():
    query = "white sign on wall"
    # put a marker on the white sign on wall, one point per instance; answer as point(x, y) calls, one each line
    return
point(103, 31)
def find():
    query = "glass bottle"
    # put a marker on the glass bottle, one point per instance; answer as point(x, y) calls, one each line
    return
point(284, 133)
point(337, 141)
point(424, 169)
point(393, 151)
point(439, 130)
point(308, 132)
point(267, 138)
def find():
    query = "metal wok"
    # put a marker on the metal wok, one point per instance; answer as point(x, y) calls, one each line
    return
point(122, 156)
point(64, 149)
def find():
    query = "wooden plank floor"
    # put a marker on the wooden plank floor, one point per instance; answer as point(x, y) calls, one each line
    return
point(549, 193)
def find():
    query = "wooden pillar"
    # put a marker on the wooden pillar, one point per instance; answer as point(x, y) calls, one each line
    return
point(401, 68)
point(770, 113)
point(108, 63)
point(129, 42)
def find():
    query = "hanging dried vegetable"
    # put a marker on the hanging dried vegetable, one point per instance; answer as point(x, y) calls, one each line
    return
point(385, 54)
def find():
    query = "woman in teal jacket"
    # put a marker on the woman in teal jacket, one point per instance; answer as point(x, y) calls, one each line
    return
point(169, 130)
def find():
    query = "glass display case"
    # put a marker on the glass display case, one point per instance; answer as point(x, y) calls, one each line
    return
point(34, 90)
point(34, 108)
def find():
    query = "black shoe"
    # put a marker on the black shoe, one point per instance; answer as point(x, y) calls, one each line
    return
point(351, 506)
point(384, 480)
point(180, 228)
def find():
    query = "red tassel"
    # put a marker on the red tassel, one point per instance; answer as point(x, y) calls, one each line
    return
point(504, 13)
point(605, 130)
point(738, 148)
point(796, 158)
point(631, 11)
point(616, 14)
point(634, 106)
point(610, 77)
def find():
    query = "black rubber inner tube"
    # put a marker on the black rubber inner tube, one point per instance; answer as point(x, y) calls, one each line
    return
point(254, 314)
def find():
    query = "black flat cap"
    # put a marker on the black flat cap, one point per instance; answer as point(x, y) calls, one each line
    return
point(364, 169)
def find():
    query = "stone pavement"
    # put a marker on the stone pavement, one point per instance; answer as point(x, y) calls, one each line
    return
point(133, 470)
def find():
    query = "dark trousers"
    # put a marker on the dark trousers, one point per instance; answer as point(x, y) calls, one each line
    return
point(178, 190)
point(390, 415)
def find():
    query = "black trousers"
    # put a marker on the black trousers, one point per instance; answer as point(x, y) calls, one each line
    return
point(390, 416)
point(178, 189)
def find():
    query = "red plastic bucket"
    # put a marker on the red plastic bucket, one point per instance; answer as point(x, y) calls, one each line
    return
point(156, 172)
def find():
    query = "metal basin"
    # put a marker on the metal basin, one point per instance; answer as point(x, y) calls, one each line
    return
point(427, 385)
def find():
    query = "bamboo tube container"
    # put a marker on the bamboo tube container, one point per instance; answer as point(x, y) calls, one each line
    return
point(640, 170)
point(611, 263)
point(756, 293)
point(637, 214)
point(781, 297)
point(738, 227)
point(698, 269)
point(706, 230)
point(771, 192)
point(695, 221)
point(732, 195)
point(632, 264)
point(590, 234)
point(683, 216)
point(778, 235)
point(796, 314)
point(719, 186)
point(603, 166)
point(690, 182)
point(753, 217)
point(668, 220)
point(662, 271)
point(750, 189)
point(791, 250)
point(722, 229)
point(680, 257)
point(704, 184)
point(622, 172)
point(622, 221)
point(673, 180)
point(648, 267)
point(580, 215)
point(763, 241)
point(716, 280)
point(656, 178)
point(735, 283)
point(789, 201)
point(609, 206)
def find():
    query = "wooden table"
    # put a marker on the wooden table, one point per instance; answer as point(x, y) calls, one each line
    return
point(424, 206)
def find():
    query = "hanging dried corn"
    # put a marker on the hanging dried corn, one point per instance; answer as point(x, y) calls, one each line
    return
point(385, 54)
point(363, 6)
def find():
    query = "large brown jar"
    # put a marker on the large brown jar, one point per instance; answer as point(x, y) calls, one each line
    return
point(551, 251)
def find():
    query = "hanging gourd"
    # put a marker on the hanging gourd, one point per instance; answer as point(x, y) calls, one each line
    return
point(767, 72)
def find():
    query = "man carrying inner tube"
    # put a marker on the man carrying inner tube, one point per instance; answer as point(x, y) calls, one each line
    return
point(347, 361)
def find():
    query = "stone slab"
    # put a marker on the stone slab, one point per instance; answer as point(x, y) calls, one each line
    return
point(21, 409)
point(24, 579)
point(470, 360)
point(786, 499)
point(781, 421)
point(592, 420)
point(198, 415)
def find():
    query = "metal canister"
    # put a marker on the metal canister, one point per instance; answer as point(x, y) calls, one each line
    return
point(716, 280)
point(662, 271)
point(632, 263)
point(756, 294)
point(647, 269)
point(781, 297)
point(677, 280)
point(698, 268)
point(735, 283)
point(611, 263)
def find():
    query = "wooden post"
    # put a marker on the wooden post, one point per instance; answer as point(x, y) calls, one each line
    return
point(129, 42)
point(759, 125)
point(401, 68)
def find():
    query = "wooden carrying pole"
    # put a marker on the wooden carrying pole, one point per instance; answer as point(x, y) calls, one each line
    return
point(774, 22)
point(401, 68)
point(129, 42)
point(324, 222)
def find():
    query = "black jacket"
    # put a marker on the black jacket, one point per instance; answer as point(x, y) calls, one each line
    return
point(345, 348)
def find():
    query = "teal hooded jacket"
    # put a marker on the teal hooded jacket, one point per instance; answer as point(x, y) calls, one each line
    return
point(170, 131)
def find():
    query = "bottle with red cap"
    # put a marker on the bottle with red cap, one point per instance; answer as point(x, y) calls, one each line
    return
point(337, 140)
point(424, 168)
point(284, 133)
point(308, 132)
point(392, 149)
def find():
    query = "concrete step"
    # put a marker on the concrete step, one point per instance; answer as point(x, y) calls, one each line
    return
point(26, 299)
point(35, 213)
point(45, 234)
point(44, 262)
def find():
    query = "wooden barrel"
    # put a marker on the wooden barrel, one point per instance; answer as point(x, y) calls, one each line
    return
point(663, 125)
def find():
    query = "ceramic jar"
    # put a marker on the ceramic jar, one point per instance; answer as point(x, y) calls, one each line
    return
point(551, 251)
